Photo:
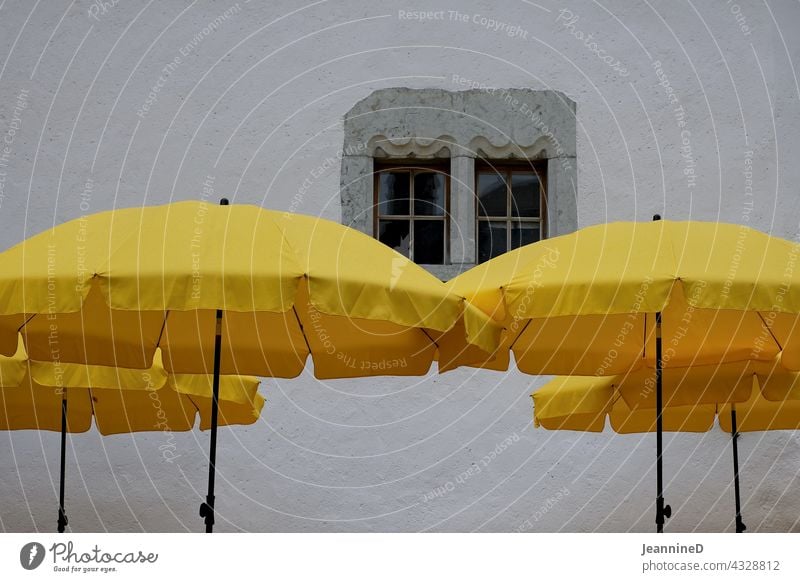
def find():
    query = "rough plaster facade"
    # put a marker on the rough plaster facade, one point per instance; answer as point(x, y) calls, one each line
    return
point(689, 110)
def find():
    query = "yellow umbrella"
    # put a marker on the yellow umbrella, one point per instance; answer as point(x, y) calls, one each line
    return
point(594, 302)
point(765, 397)
point(111, 288)
point(583, 403)
point(586, 303)
point(34, 395)
point(120, 400)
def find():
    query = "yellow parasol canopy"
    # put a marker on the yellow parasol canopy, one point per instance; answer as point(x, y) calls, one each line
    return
point(120, 400)
point(765, 398)
point(585, 303)
point(110, 288)
point(582, 403)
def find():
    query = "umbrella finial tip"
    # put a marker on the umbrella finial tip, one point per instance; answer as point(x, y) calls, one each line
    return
point(224, 202)
point(656, 217)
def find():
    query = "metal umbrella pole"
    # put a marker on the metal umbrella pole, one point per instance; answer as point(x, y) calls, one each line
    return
point(740, 527)
point(662, 511)
point(62, 516)
point(207, 508)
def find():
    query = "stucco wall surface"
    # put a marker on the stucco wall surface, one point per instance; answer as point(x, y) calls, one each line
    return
point(121, 103)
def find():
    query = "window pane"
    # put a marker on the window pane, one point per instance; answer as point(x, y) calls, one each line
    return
point(393, 193)
point(429, 242)
point(395, 233)
point(491, 240)
point(524, 233)
point(525, 194)
point(429, 194)
point(492, 194)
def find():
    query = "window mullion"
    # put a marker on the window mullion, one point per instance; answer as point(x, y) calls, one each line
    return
point(508, 209)
point(411, 238)
point(507, 179)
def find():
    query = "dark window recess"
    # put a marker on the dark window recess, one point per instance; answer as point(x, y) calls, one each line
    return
point(511, 203)
point(413, 212)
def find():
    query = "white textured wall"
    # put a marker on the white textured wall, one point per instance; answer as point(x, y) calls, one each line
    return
point(257, 104)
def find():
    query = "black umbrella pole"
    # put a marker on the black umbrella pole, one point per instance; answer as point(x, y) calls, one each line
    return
point(62, 516)
point(740, 527)
point(662, 511)
point(207, 508)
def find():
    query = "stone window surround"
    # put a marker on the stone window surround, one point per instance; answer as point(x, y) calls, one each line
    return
point(402, 125)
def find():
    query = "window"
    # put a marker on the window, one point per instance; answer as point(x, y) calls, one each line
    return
point(412, 160)
point(412, 211)
point(511, 207)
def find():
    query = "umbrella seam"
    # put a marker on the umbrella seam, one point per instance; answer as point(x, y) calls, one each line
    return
point(163, 327)
point(519, 335)
point(433, 341)
point(302, 331)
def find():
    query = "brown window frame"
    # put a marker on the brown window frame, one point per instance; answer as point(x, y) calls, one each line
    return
point(413, 166)
point(506, 168)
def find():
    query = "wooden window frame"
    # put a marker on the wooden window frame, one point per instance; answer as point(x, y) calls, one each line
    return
point(413, 166)
point(505, 169)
